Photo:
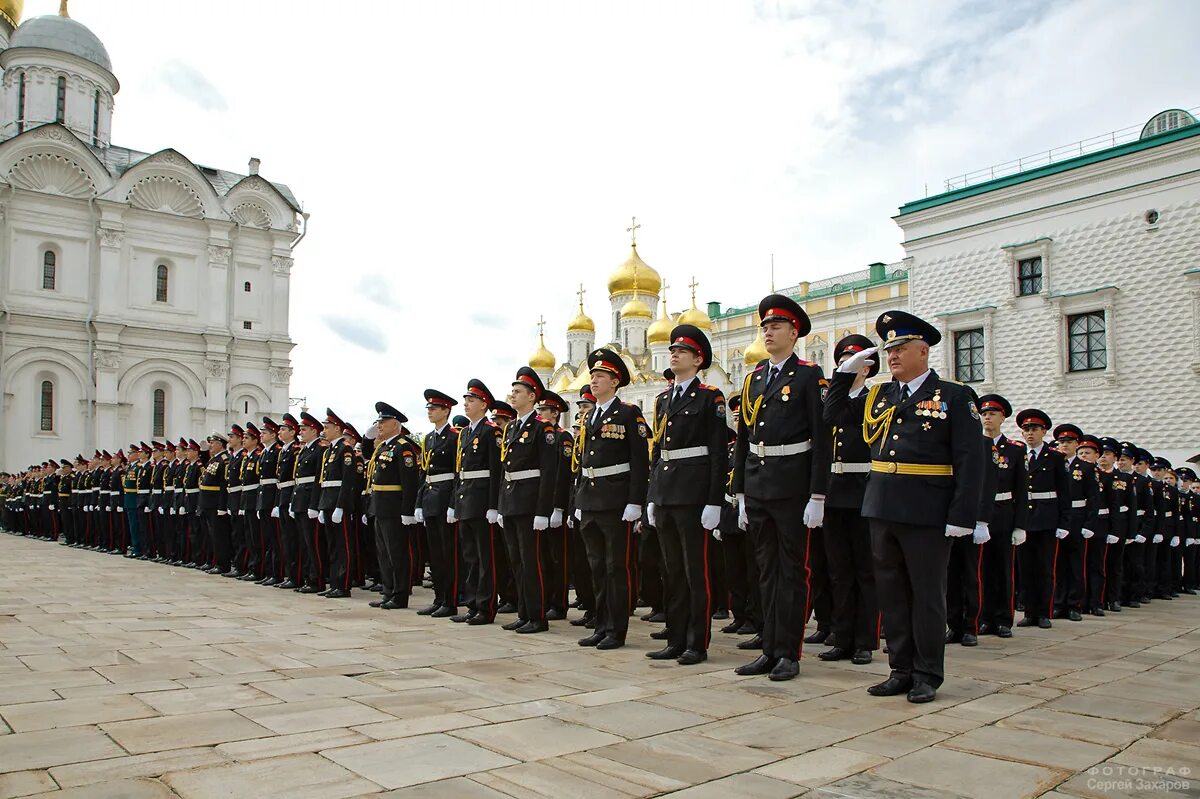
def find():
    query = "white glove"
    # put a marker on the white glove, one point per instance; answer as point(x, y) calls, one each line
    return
point(981, 534)
point(241, 512)
point(571, 522)
point(312, 514)
point(51, 507)
point(147, 510)
point(291, 513)
point(1158, 539)
point(275, 512)
point(1111, 539)
point(814, 512)
point(541, 522)
point(372, 432)
point(119, 509)
point(710, 517)
point(743, 517)
point(556, 518)
point(578, 515)
point(419, 515)
point(219, 513)
point(500, 521)
point(86, 508)
point(1174, 540)
point(1018, 537)
point(492, 516)
point(451, 517)
point(632, 513)
point(336, 518)
point(364, 518)
point(1087, 533)
point(1139, 539)
point(716, 534)
point(409, 520)
point(857, 361)
point(321, 516)
point(954, 531)
point(1061, 533)
point(650, 515)
point(107, 508)
point(1189, 542)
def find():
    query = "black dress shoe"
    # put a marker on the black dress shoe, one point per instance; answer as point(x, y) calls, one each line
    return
point(507, 607)
point(666, 653)
point(691, 657)
point(513, 625)
point(286, 584)
point(660, 635)
point(1059, 614)
point(1097, 611)
point(817, 638)
point(746, 629)
point(443, 612)
point(591, 640)
point(395, 604)
point(657, 617)
point(862, 657)
point(1028, 621)
point(1188, 591)
point(610, 643)
point(1074, 615)
point(892, 686)
point(1114, 607)
point(969, 639)
point(751, 643)
point(533, 627)
point(721, 615)
point(921, 693)
point(309, 589)
point(835, 653)
point(337, 593)
point(234, 573)
point(760, 665)
point(462, 617)
point(249, 577)
point(986, 629)
point(1044, 623)
point(479, 619)
point(429, 611)
point(325, 591)
point(732, 627)
point(271, 582)
point(377, 603)
point(785, 669)
point(581, 621)
point(554, 614)
point(1004, 632)
point(953, 637)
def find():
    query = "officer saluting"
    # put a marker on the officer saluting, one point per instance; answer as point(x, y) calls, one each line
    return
point(781, 469)
point(924, 487)
point(393, 478)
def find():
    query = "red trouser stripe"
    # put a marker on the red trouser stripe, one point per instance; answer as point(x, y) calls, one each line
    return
point(807, 594)
point(1053, 577)
point(979, 587)
point(537, 554)
point(707, 621)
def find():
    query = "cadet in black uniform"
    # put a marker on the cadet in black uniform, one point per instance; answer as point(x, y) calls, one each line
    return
point(212, 503)
point(331, 501)
point(740, 567)
point(1048, 498)
point(1070, 581)
point(555, 552)
point(306, 497)
point(252, 548)
point(266, 504)
point(1124, 574)
point(475, 501)
point(924, 488)
point(233, 502)
point(439, 452)
point(781, 470)
point(687, 487)
point(290, 545)
point(1006, 457)
point(393, 479)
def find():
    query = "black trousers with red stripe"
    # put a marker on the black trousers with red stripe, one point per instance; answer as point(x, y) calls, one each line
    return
point(686, 546)
point(964, 586)
point(1038, 556)
point(314, 554)
point(847, 535)
point(393, 543)
point(479, 556)
point(442, 539)
point(525, 560)
point(998, 578)
point(1097, 571)
point(555, 567)
point(781, 543)
point(607, 540)
point(340, 541)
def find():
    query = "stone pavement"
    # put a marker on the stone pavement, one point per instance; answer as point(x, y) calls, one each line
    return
point(122, 678)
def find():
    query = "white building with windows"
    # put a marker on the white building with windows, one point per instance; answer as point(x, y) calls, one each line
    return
point(1073, 285)
point(141, 295)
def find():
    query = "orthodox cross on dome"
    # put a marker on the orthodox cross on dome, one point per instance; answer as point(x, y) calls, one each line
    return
point(772, 273)
point(580, 294)
point(541, 325)
point(631, 230)
point(693, 286)
point(665, 286)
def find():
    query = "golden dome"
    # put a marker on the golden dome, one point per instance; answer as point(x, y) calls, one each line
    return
point(11, 10)
point(622, 280)
point(542, 358)
point(756, 352)
point(636, 309)
point(659, 331)
point(581, 323)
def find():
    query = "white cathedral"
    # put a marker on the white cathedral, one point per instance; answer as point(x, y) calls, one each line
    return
point(141, 294)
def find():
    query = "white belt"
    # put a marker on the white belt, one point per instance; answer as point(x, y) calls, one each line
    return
point(233, 489)
point(780, 450)
point(331, 484)
point(475, 474)
point(1170, 514)
point(731, 499)
point(1124, 509)
point(525, 474)
point(1003, 495)
point(153, 492)
point(1044, 495)
point(44, 493)
point(191, 491)
point(170, 490)
point(604, 471)
point(143, 491)
point(1079, 503)
point(305, 480)
point(439, 478)
point(287, 484)
point(1102, 512)
point(849, 468)
point(268, 481)
point(668, 455)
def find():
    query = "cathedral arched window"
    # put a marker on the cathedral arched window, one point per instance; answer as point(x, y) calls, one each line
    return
point(49, 270)
point(21, 103)
point(159, 421)
point(96, 119)
point(161, 275)
point(60, 104)
point(46, 403)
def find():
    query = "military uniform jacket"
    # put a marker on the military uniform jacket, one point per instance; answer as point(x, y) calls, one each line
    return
point(248, 500)
point(1049, 491)
point(694, 422)
point(438, 456)
point(1165, 501)
point(614, 439)
point(529, 446)
point(79, 492)
point(849, 468)
point(212, 482)
point(191, 487)
point(145, 473)
point(1146, 511)
point(268, 479)
point(729, 510)
point(307, 470)
point(393, 474)
point(937, 426)
point(158, 485)
point(479, 451)
point(789, 413)
point(334, 492)
point(129, 485)
point(987, 489)
point(1006, 457)
point(233, 481)
point(1125, 519)
point(1085, 495)
point(50, 490)
point(564, 477)
point(66, 486)
point(1107, 505)
point(286, 469)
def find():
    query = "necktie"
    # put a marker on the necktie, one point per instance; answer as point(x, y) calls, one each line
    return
point(771, 378)
point(903, 391)
point(675, 397)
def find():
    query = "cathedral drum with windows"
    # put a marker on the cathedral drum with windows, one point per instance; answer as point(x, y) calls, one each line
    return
point(144, 294)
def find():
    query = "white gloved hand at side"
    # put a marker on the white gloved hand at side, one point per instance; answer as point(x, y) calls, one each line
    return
point(336, 518)
point(1111, 539)
point(541, 522)
point(578, 515)
point(743, 517)
point(556, 518)
point(981, 534)
point(493, 516)
point(500, 520)
point(419, 515)
point(1158, 539)
point(1060, 533)
point(650, 514)
point(814, 512)
point(312, 514)
point(275, 512)
point(710, 517)
point(1174, 540)
point(1139, 539)
point(321, 516)
point(406, 520)
point(717, 534)
point(632, 513)
point(451, 516)
point(1087, 533)
point(1018, 537)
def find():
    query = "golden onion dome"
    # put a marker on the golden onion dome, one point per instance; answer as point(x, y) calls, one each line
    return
point(582, 323)
point(636, 309)
point(756, 352)
point(659, 331)
point(634, 275)
point(542, 358)
point(10, 11)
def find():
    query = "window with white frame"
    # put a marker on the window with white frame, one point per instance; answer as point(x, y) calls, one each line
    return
point(969, 356)
point(49, 270)
point(46, 403)
point(1029, 276)
point(159, 421)
point(1087, 342)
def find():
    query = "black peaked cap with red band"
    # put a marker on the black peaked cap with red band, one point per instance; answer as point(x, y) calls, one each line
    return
point(478, 389)
point(270, 424)
point(586, 395)
point(503, 410)
point(778, 308)
point(852, 344)
point(438, 398)
point(292, 422)
point(1069, 431)
point(333, 419)
point(552, 400)
point(995, 402)
point(692, 338)
point(529, 378)
point(308, 420)
point(605, 360)
point(1033, 416)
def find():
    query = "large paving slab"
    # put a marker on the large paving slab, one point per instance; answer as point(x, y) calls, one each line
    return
point(194, 686)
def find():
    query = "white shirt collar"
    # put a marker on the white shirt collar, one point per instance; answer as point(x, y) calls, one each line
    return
point(522, 419)
point(602, 409)
point(915, 384)
point(681, 386)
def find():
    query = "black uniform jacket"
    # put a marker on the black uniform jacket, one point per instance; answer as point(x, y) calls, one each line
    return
point(268, 479)
point(695, 421)
point(611, 440)
point(528, 446)
point(307, 492)
point(479, 451)
point(1125, 519)
point(1049, 492)
point(1007, 458)
point(393, 477)
point(1085, 495)
point(439, 454)
point(338, 488)
point(212, 482)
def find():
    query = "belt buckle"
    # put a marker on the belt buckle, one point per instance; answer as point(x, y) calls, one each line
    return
point(665, 455)
point(837, 468)
point(760, 449)
point(891, 467)
point(589, 472)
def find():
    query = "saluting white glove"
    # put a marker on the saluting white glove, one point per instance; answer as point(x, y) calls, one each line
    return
point(541, 522)
point(857, 361)
point(716, 534)
point(650, 516)
point(275, 512)
point(981, 534)
point(1139, 539)
point(954, 531)
point(578, 515)
point(1174, 540)
point(492, 516)
point(710, 517)
point(338, 513)
point(1018, 537)
point(451, 517)
point(312, 514)
point(632, 513)
point(743, 517)
point(1158, 539)
point(556, 518)
point(814, 512)
point(1060, 533)
point(419, 515)
point(406, 520)
point(372, 432)
point(1111, 539)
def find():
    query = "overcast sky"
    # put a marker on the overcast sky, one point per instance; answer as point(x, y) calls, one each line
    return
point(467, 164)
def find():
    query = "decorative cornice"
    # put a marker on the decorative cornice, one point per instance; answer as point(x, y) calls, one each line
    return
point(217, 369)
point(218, 254)
point(282, 264)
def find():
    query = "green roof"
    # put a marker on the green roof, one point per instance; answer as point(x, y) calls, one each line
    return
point(1128, 148)
point(898, 276)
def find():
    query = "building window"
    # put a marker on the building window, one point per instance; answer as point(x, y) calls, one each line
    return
point(1086, 341)
point(160, 412)
point(246, 407)
point(968, 356)
point(160, 283)
point(60, 106)
point(21, 103)
point(49, 270)
point(47, 406)
point(247, 325)
point(96, 119)
point(246, 287)
point(1029, 276)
